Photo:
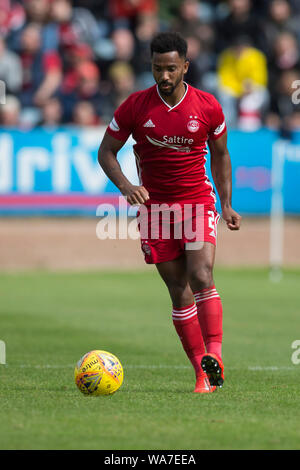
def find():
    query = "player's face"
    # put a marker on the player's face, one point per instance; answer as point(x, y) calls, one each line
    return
point(168, 71)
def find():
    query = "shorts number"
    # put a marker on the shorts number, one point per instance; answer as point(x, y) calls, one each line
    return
point(212, 223)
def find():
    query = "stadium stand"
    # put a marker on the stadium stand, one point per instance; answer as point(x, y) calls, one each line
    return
point(73, 61)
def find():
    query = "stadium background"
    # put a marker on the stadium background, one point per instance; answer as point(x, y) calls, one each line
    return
point(66, 65)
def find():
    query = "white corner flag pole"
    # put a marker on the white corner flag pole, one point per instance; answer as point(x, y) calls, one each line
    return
point(277, 211)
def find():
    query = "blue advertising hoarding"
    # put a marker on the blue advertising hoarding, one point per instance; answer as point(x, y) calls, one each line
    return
point(56, 172)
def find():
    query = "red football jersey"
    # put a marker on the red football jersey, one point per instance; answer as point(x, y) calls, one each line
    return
point(171, 142)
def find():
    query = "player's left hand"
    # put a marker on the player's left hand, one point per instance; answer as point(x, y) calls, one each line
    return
point(232, 218)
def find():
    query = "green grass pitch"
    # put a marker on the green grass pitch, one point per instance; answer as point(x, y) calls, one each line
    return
point(48, 321)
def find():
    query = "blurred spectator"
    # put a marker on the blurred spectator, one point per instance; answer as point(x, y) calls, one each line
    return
point(87, 89)
point(52, 113)
point(240, 21)
point(84, 115)
point(285, 54)
point(295, 5)
point(242, 72)
point(12, 16)
point(146, 29)
point(63, 45)
point(200, 35)
point(42, 72)
point(126, 13)
point(122, 49)
point(123, 84)
point(37, 11)
point(281, 19)
point(98, 7)
point(190, 23)
point(284, 112)
point(10, 68)
point(123, 41)
point(252, 107)
point(130, 8)
point(285, 57)
point(202, 62)
point(10, 112)
point(89, 77)
point(74, 24)
point(100, 10)
point(123, 81)
point(187, 21)
point(75, 55)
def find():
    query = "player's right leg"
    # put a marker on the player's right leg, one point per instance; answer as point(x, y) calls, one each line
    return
point(184, 315)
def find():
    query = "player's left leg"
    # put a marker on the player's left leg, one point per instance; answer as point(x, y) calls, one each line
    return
point(184, 315)
point(200, 265)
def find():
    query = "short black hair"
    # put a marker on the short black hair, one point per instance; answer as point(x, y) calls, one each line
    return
point(169, 42)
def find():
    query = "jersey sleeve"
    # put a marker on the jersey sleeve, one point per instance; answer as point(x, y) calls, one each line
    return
point(218, 124)
point(121, 125)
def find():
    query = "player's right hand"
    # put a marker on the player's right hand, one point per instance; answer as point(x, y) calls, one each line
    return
point(136, 195)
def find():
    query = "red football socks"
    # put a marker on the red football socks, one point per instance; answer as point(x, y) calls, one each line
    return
point(210, 317)
point(188, 329)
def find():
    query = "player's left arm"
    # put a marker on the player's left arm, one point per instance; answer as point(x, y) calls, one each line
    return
point(222, 176)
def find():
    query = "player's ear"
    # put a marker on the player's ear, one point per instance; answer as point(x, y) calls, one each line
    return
point(186, 66)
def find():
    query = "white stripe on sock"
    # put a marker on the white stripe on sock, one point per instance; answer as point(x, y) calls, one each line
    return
point(202, 294)
point(185, 310)
point(181, 317)
point(202, 299)
point(184, 314)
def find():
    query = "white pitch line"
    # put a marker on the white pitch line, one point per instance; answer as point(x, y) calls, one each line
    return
point(148, 366)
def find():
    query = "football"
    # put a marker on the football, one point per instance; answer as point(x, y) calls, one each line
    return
point(98, 373)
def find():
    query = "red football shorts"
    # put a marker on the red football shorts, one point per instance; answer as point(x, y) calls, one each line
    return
point(168, 230)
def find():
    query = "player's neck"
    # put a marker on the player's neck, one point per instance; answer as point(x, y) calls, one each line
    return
point(176, 96)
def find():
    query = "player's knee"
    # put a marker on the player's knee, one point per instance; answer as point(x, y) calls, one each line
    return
point(177, 288)
point(201, 277)
point(180, 292)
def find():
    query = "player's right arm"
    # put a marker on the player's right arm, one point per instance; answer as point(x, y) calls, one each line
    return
point(107, 158)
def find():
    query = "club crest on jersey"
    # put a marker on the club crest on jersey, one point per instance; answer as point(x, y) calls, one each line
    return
point(193, 125)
